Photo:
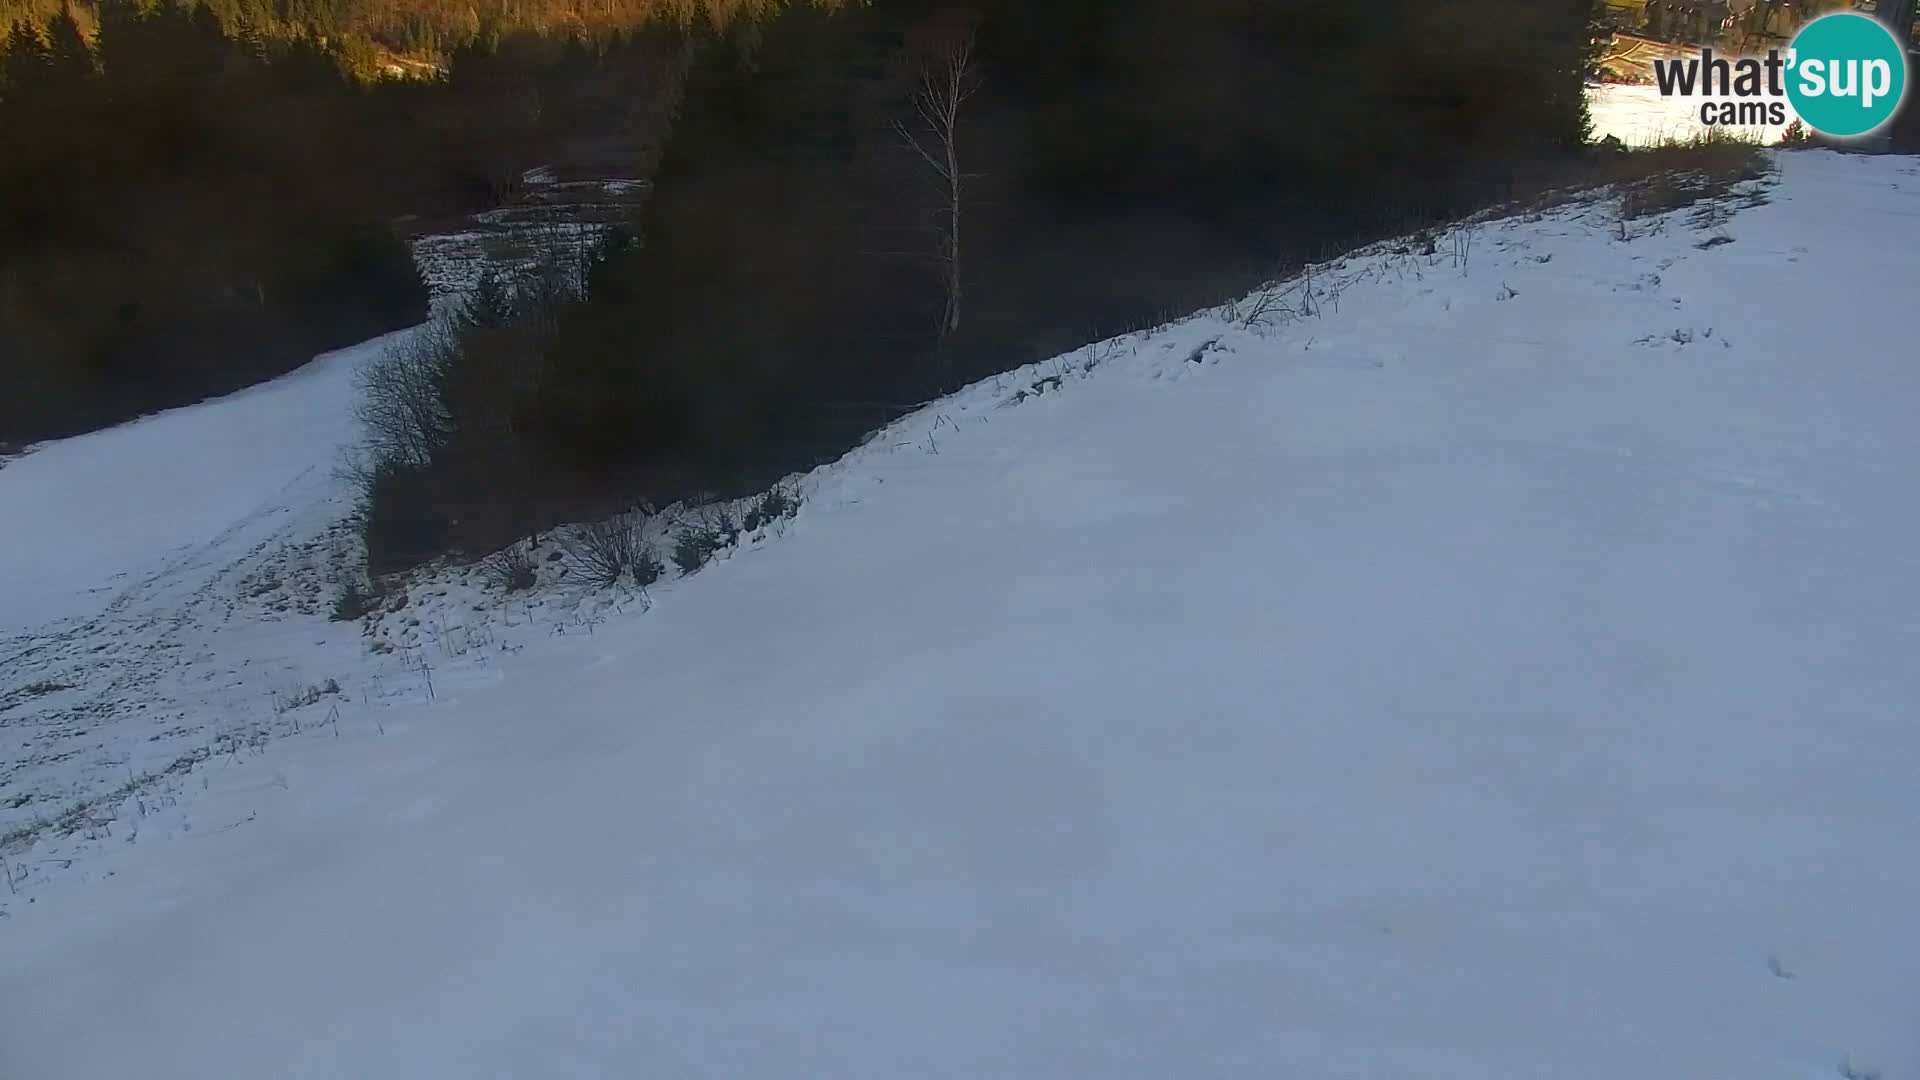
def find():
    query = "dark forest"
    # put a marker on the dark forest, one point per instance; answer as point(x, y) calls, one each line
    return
point(854, 208)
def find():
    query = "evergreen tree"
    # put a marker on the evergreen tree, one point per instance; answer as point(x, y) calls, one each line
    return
point(69, 56)
point(488, 306)
point(27, 65)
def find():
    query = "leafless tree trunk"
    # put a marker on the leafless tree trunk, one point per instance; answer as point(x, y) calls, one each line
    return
point(947, 80)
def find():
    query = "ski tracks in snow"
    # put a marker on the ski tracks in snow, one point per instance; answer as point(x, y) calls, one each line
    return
point(167, 670)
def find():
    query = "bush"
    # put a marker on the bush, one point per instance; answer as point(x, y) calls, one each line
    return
point(399, 520)
point(776, 505)
point(351, 602)
point(511, 569)
point(606, 552)
point(697, 544)
point(401, 408)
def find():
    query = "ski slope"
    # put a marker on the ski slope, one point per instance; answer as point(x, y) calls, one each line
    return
point(90, 515)
point(1490, 663)
point(161, 581)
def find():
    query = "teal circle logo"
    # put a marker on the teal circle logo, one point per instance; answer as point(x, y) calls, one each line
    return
point(1847, 74)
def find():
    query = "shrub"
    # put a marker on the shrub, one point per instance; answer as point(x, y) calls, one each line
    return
point(607, 551)
point(351, 602)
point(511, 569)
point(776, 505)
point(401, 406)
point(401, 524)
point(301, 698)
point(698, 543)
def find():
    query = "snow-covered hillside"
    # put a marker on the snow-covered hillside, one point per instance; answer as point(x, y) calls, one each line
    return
point(161, 581)
point(1496, 662)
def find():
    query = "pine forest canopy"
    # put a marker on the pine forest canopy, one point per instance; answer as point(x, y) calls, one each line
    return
point(418, 29)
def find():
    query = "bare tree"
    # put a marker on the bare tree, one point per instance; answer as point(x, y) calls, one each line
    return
point(402, 404)
point(947, 80)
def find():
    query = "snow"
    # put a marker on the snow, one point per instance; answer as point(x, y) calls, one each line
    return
point(1639, 116)
point(550, 219)
point(158, 581)
point(87, 512)
point(1503, 670)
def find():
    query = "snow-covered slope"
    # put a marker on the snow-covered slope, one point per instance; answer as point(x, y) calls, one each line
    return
point(159, 582)
point(1502, 669)
point(88, 516)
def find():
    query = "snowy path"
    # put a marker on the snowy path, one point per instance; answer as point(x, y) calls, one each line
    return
point(162, 580)
point(162, 583)
point(1504, 672)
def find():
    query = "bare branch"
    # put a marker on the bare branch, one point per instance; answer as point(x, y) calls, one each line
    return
point(947, 81)
point(914, 144)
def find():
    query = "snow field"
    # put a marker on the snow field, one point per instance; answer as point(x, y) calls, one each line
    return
point(1500, 672)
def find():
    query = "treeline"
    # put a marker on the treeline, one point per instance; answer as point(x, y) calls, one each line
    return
point(859, 210)
point(187, 208)
point(166, 231)
point(370, 34)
